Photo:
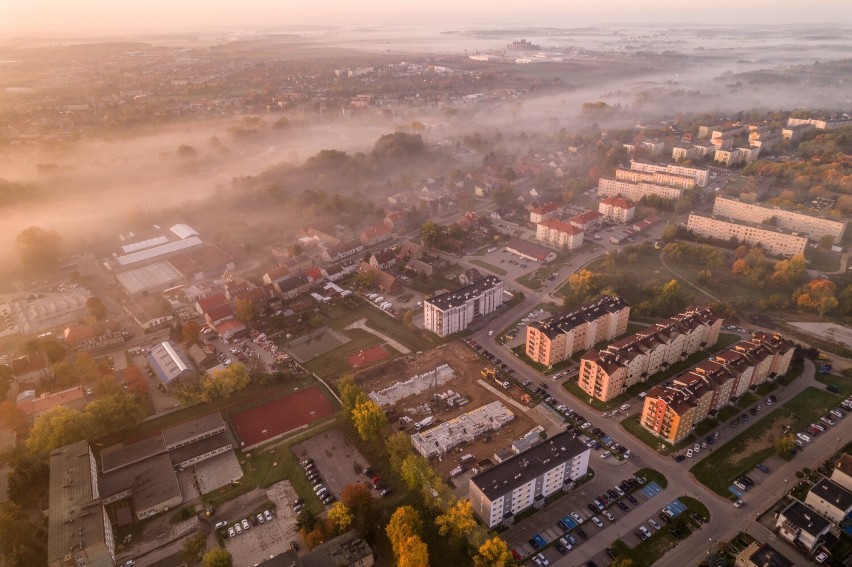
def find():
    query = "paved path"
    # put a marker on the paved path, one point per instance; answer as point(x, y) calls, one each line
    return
point(362, 324)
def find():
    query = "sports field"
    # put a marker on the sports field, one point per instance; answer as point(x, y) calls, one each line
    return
point(281, 416)
point(367, 357)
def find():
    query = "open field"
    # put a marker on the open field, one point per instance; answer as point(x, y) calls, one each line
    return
point(316, 344)
point(490, 267)
point(281, 416)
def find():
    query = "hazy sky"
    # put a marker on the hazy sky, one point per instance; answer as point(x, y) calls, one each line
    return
point(19, 17)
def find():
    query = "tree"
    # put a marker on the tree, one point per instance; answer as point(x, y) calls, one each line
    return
point(193, 548)
point(784, 445)
point(350, 394)
point(398, 447)
point(19, 542)
point(817, 295)
point(789, 272)
point(11, 416)
point(245, 310)
point(739, 266)
point(97, 308)
point(191, 331)
point(218, 557)
point(413, 553)
point(431, 234)
point(361, 502)
point(369, 419)
point(110, 414)
point(408, 317)
point(186, 151)
point(457, 521)
point(224, 382)
point(404, 523)
point(39, 249)
point(669, 233)
point(580, 284)
point(493, 553)
point(623, 561)
point(56, 428)
point(340, 516)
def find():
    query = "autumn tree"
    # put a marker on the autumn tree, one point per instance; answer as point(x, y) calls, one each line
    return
point(493, 553)
point(398, 447)
point(783, 446)
point(457, 521)
point(218, 557)
point(623, 561)
point(431, 234)
point(56, 428)
point(789, 272)
point(20, 545)
point(817, 295)
point(193, 548)
point(96, 308)
point(340, 516)
point(361, 503)
point(191, 331)
point(110, 414)
point(224, 382)
point(369, 420)
point(350, 394)
point(39, 249)
point(581, 285)
point(403, 524)
point(413, 552)
point(245, 310)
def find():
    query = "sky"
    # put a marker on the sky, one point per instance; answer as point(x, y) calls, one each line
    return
point(24, 17)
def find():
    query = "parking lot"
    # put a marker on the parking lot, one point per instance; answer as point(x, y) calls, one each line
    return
point(266, 539)
point(334, 458)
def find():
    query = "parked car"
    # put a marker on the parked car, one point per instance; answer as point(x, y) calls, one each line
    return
point(597, 521)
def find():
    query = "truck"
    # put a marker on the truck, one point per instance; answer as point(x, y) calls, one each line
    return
point(466, 458)
point(423, 423)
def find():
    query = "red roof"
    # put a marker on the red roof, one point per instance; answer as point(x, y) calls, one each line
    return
point(277, 273)
point(587, 217)
point(234, 325)
point(77, 334)
point(546, 208)
point(617, 202)
point(220, 312)
point(48, 401)
point(561, 226)
point(209, 302)
point(30, 363)
point(314, 274)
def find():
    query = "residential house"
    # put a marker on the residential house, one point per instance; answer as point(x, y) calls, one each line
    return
point(381, 279)
point(830, 499)
point(396, 220)
point(587, 221)
point(842, 473)
point(470, 276)
point(546, 211)
point(801, 524)
point(292, 286)
point(72, 398)
point(375, 235)
point(345, 550)
point(383, 259)
point(345, 249)
point(419, 267)
point(275, 274)
point(617, 210)
point(757, 555)
point(32, 368)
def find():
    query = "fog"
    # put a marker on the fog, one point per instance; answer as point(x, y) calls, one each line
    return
point(654, 73)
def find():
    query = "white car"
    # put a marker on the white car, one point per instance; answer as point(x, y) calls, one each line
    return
point(654, 523)
point(689, 453)
point(624, 407)
point(739, 503)
point(605, 454)
point(246, 525)
point(597, 521)
point(238, 528)
point(696, 448)
point(577, 517)
point(491, 333)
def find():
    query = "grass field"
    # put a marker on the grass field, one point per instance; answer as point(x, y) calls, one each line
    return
point(822, 260)
point(490, 267)
point(333, 364)
point(740, 454)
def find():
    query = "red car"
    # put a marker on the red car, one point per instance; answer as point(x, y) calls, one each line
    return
point(516, 555)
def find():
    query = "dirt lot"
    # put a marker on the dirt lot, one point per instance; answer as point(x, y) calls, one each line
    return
point(467, 366)
point(764, 441)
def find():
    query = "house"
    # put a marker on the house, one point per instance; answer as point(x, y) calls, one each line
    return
point(801, 524)
point(205, 304)
point(383, 259)
point(337, 252)
point(88, 337)
point(298, 263)
point(375, 235)
point(217, 314)
point(381, 279)
point(409, 250)
point(396, 220)
point(314, 275)
point(32, 368)
point(275, 274)
point(419, 267)
point(345, 550)
point(842, 473)
point(757, 555)
point(830, 499)
point(229, 328)
point(291, 287)
point(546, 211)
point(72, 398)
point(203, 357)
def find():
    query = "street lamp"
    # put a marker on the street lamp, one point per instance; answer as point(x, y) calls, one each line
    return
point(785, 486)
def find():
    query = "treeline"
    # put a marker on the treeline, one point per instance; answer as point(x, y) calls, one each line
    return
point(12, 193)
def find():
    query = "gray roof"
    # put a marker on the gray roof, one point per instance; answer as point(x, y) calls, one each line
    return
point(76, 517)
point(170, 362)
point(157, 251)
point(118, 456)
point(806, 518)
point(286, 559)
point(563, 323)
point(832, 492)
point(194, 429)
point(345, 549)
point(460, 296)
point(200, 447)
point(151, 482)
point(768, 556)
point(528, 465)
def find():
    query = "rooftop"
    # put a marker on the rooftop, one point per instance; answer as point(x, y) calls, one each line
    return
point(618, 202)
point(169, 363)
point(528, 465)
point(832, 492)
point(805, 518)
point(770, 208)
point(147, 277)
point(563, 323)
point(461, 295)
point(768, 556)
point(528, 249)
point(345, 549)
point(193, 429)
point(118, 456)
point(157, 251)
point(737, 222)
point(151, 482)
point(200, 447)
point(561, 226)
point(47, 401)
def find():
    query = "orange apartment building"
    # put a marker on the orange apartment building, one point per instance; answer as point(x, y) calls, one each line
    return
point(607, 373)
point(556, 338)
point(671, 412)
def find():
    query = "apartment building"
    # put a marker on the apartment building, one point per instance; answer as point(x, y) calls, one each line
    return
point(524, 480)
point(656, 177)
point(774, 241)
point(701, 175)
point(559, 234)
point(605, 374)
point(691, 151)
point(587, 221)
point(735, 156)
point(556, 338)
point(815, 227)
point(653, 148)
point(451, 312)
point(617, 210)
point(672, 411)
point(820, 123)
point(609, 187)
point(794, 133)
point(545, 211)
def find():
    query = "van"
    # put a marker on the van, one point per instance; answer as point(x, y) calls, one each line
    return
point(803, 437)
point(466, 458)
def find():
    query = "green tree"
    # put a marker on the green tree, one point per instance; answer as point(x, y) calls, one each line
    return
point(457, 521)
point(224, 382)
point(96, 307)
point(39, 249)
point(245, 310)
point(369, 419)
point(218, 557)
point(350, 394)
point(398, 447)
point(493, 553)
point(20, 545)
point(111, 414)
point(783, 446)
point(340, 516)
point(56, 428)
point(187, 152)
point(669, 233)
point(193, 548)
point(431, 234)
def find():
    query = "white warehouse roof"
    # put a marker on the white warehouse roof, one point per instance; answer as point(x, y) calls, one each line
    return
point(184, 231)
point(143, 244)
point(156, 251)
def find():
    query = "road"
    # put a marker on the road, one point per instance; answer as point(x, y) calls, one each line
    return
point(726, 520)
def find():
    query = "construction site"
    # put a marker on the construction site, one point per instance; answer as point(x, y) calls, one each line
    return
point(450, 385)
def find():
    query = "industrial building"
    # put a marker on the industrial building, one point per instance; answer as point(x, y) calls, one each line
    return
point(170, 363)
point(451, 312)
point(507, 489)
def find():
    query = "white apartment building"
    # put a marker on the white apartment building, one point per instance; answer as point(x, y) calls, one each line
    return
point(617, 210)
point(701, 175)
point(608, 187)
point(559, 234)
point(814, 226)
point(793, 133)
point(694, 151)
point(658, 177)
point(507, 489)
point(820, 123)
point(653, 148)
point(545, 211)
point(736, 156)
point(451, 312)
point(773, 240)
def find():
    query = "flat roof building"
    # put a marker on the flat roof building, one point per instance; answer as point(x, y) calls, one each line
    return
point(530, 251)
point(79, 531)
point(451, 312)
point(636, 191)
point(557, 338)
point(151, 484)
point(799, 523)
point(503, 491)
point(700, 174)
point(815, 227)
point(774, 241)
point(830, 499)
point(345, 550)
point(170, 363)
point(194, 430)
